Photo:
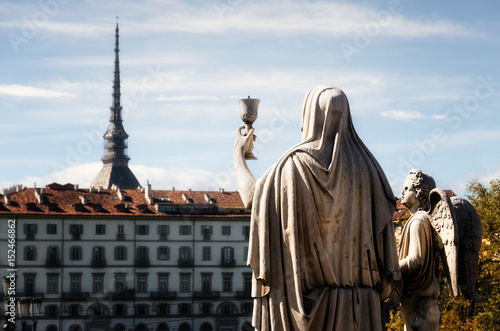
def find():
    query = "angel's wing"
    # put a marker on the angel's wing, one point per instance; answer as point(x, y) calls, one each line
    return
point(442, 217)
point(469, 234)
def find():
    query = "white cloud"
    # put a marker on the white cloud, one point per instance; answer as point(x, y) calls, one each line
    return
point(159, 178)
point(407, 115)
point(32, 92)
point(278, 17)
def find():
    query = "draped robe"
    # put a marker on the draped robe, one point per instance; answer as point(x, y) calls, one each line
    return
point(322, 246)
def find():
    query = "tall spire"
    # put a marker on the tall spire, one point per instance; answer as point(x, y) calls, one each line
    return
point(115, 160)
point(116, 107)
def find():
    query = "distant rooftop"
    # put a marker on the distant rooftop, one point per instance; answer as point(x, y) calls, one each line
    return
point(69, 199)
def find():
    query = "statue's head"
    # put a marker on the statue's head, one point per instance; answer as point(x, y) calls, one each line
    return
point(323, 108)
point(422, 185)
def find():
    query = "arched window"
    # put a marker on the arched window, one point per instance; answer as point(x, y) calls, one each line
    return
point(206, 327)
point(162, 327)
point(75, 327)
point(98, 309)
point(184, 327)
point(119, 327)
point(247, 327)
point(227, 308)
point(141, 327)
point(51, 327)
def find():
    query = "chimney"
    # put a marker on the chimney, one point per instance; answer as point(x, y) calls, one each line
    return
point(83, 199)
point(6, 200)
point(221, 190)
point(76, 187)
point(120, 195)
point(38, 196)
point(147, 193)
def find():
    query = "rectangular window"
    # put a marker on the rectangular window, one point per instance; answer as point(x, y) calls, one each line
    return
point(226, 230)
point(185, 253)
point(120, 309)
point(51, 228)
point(246, 307)
point(30, 231)
point(142, 256)
point(163, 283)
point(206, 253)
point(98, 256)
point(120, 234)
point(185, 230)
point(163, 231)
point(76, 230)
point(142, 229)
point(184, 308)
point(227, 282)
point(52, 256)
point(30, 253)
point(120, 253)
point(142, 309)
point(206, 231)
point(74, 310)
point(247, 283)
point(185, 283)
point(227, 257)
point(205, 308)
point(163, 309)
point(29, 283)
point(97, 283)
point(163, 253)
point(206, 283)
point(246, 232)
point(51, 310)
point(52, 283)
point(75, 283)
point(100, 229)
point(75, 253)
point(120, 285)
point(142, 283)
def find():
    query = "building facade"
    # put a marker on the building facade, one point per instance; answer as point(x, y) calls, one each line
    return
point(112, 259)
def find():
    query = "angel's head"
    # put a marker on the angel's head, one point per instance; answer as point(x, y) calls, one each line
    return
point(417, 187)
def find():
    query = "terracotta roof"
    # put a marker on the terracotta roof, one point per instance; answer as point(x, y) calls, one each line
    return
point(59, 199)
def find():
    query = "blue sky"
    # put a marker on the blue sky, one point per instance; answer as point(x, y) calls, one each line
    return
point(422, 78)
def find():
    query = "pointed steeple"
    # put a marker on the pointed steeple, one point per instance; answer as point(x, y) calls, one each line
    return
point(115, 160)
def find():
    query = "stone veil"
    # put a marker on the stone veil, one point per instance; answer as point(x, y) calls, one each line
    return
point(322, 246)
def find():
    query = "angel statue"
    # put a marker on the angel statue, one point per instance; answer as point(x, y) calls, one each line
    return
point(439, 225)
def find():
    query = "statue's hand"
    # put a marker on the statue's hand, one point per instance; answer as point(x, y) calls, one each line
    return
point(244, 141)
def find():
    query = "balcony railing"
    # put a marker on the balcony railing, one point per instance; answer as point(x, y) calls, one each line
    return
point(53, 263)
point(185, 263)
point(166, 295)
point(142, 263)
point(120, 236)
point(98, 263)
point(75, 296)
point(226, 263)
point(243, 294)
point(206, 295)
point(121, 296)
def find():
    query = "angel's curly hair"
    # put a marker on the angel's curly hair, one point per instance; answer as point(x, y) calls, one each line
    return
point(423, 185)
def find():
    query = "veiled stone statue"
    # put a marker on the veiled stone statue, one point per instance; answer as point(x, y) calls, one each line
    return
point(322, 245)
point(438, 225)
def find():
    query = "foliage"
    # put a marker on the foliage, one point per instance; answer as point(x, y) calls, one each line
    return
point(483, 312)
point(396, 323)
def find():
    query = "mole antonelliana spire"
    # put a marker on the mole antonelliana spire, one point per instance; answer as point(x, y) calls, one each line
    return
point(115, 168)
